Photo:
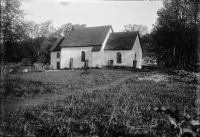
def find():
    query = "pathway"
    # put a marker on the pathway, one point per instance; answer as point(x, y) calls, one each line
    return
point(47, 98)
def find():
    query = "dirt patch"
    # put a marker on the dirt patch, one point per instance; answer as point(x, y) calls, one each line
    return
point(155, 77)
point(180, 76)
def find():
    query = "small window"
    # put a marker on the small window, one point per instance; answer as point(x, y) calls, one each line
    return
point(119, 57)
point(82, 56)
point(58, 55)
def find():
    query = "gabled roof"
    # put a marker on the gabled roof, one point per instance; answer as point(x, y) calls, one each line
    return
point(56, 45)
point(89, 36)
point(121, 40)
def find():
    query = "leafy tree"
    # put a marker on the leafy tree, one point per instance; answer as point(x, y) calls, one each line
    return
point(25, 39)
point(39, 40)
point(176, 33)
point(196, 20)
point(43, 36)
point(25, 61)
point(147, 41)
point(11, 30)
point(63, 30)
point(79, 26)
point(142, 29)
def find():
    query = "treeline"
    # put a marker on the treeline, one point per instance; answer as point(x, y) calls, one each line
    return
point(175, 36)
point(27, 41)
point(174, 40)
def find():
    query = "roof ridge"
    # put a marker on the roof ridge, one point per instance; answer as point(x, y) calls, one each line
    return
point(94, 27)
point(86, 36)
point(127, 32)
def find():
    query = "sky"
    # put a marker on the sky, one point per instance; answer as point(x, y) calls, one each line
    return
point(93, 12)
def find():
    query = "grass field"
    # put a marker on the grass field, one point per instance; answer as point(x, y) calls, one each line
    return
point(124, 109)
point(29, 84)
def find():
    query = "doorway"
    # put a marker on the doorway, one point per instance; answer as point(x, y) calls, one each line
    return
point(111, 63)
point(71, 63)
point(58, 65)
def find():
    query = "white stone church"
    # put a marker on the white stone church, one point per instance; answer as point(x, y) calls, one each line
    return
point(98, 46)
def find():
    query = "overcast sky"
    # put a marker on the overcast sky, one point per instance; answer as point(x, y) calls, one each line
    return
point(93, 12)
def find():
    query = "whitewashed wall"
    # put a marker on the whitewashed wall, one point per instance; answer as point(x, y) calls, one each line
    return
point(75, 53)
point(127, 56)
point(54, 60)
point(95, 58)
point(98, 57)
point(138, 50)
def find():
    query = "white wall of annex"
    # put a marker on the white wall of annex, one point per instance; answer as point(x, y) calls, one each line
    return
point(138, 50)
point(54, 60)
point(101, 54)
point(127, 55)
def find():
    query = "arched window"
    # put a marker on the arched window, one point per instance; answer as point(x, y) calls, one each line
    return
point(119, 57)
point(82, 56)
point(58, 54)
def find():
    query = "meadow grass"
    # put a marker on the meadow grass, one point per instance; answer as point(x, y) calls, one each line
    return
point(30, 84)
point(121, 110)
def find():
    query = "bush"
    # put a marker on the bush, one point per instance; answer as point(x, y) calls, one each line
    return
point(17, 70)
point(182, 75)
point(15, 87)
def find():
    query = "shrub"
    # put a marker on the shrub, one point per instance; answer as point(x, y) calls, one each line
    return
point(15, 87)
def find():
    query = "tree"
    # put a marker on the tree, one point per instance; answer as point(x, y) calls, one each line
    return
point(11, 29)
point(39, 40)
point(175, 33)
point(196, 18)
point(63, 30)
point(142, 29)
point(25, 39)
point(79, 26)
point(44, 35)
point(147, 41)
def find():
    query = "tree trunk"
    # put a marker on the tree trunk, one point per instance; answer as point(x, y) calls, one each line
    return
point(196, 27)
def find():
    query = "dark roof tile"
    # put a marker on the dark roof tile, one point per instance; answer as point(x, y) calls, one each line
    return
point(121, 40)
point(86, 36)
